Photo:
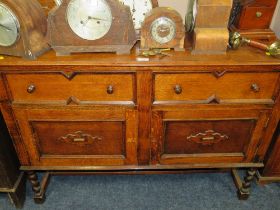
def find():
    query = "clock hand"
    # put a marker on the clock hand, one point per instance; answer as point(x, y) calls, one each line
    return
point(5, 27)
point(92, 18)
point(95, 18)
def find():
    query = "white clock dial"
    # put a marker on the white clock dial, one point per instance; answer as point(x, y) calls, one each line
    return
point(163, 30)
point(89, 19)
point(138, 8)
point(9, 26)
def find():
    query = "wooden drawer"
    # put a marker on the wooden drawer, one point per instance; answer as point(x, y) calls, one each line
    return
point(206, 88)
point(84, 137)
point(82, 88)
point(205, 136)
point(266, 3)
point(256, 18)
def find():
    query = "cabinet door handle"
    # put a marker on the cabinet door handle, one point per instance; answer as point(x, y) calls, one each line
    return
point(258, 14)
point(110, 89)
point(31, 88)
point(255, 87)
point(178, 89)
point(209, 138)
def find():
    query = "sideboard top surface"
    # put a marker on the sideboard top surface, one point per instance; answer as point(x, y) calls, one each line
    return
point(245, 56)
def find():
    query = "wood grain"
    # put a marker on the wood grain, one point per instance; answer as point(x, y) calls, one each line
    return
point(218, 13)
point(210, 40)
point(33, 29)
point(109, 125)
point(236, 87)
point(56, 88)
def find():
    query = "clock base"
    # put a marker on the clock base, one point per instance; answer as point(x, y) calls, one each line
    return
point(68, 50)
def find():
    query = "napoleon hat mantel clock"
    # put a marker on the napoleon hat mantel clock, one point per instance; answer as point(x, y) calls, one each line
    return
point(163, 28)
point(91, 26)
point(23, 28)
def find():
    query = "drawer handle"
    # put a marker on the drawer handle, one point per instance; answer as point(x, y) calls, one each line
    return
point(110, 89)
point(258, 14)
point(207, 138)
point(255, 87)
point(80, 137)
point(31, 88)
point(178, 89)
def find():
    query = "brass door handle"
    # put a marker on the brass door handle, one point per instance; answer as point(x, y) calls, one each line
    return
point(209, 138)
point(110, 89)
point(255, 87)
point(31, 88)
point(178, 89)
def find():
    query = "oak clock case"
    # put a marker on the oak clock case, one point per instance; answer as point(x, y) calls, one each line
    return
point(139, 9)
point(91, 26)
point(163, 28)
point(23, 28)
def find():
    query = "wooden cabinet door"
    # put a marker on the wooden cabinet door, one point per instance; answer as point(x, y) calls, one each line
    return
point(190, 136)
point(78, 136)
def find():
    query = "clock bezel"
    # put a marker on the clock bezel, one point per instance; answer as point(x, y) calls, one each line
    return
point(169, 20)
point(16, 21)
point(67, 19)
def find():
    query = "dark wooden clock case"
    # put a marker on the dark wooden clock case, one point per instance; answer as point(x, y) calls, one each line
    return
point(120, 38)
point(32, 41)
point(252, 18)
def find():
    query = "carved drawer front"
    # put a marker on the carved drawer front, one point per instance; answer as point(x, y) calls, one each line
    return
point(205, 136)
point(76, 89)
point(214, 88)
point(84, 137)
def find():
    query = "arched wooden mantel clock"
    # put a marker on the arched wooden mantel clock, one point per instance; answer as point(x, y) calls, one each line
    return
point(23, 28)
point(163, 28)
point(91, 26)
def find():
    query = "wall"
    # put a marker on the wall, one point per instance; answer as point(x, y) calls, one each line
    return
point(179, 5)
point(275, 25)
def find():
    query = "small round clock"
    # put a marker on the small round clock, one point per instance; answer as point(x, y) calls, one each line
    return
point(163, 28)
point(9, 26)
point(89, 19)
point(139, 8)
point(23, 28)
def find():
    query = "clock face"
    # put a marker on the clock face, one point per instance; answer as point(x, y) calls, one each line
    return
point(163, 30)
point(89, 19)
point(9, 26)
point(138, 8)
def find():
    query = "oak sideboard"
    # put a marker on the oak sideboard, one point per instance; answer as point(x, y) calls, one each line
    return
point(113, 113)
point(12, 181)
